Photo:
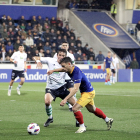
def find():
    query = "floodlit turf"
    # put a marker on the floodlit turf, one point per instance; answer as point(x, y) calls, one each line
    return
point(120, 101)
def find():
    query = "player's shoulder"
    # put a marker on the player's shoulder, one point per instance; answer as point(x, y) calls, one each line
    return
point(70, 55)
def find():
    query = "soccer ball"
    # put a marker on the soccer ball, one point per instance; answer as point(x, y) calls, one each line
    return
point(33, 129)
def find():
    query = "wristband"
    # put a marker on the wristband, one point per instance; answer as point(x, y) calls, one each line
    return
point(37, 61)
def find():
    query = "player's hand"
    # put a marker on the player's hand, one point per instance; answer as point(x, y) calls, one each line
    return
point(50, 72)
point(15, 62)
point(103, 69)
point(25, 70)
point(63, 102)
point(39, 65)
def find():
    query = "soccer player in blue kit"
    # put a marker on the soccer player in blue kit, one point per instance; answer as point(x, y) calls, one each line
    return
point(87, 94)
point(107, 63)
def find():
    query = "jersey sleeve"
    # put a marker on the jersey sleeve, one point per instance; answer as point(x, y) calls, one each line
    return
point(13, 56)
point(105, 59)
point(77, 77)
point(45, 59)
point(55, 55)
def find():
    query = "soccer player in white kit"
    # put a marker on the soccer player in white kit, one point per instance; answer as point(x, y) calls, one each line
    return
point(19, 60)
point(114, 68)
point(65, 46)
point(56, 85)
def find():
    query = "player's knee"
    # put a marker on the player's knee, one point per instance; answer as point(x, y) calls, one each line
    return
point(47, 102)
point(74, 109)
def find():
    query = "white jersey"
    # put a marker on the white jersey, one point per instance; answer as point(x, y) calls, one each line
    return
point(20, 58)
point(115, 61)
point(68, 55)
point(56, 79)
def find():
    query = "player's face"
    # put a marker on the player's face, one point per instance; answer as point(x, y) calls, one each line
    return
point(60, 56)
point(21, 48)
point(65, 46)
point(67, 66)
point(109, 54)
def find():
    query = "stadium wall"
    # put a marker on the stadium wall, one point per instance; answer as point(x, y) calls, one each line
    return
point(28, 11)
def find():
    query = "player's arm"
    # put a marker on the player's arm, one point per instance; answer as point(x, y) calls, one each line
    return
point(37, 60)
point(25, 66)
point(56, 70)
point(113, 65)
point(12, 59)
point(104, 65)
point(72, 92)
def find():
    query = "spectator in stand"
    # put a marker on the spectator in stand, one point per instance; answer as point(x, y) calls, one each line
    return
point(3, 19)
point(4, 26)
point(18, 33)
point(29, 27)
point(54, 27)
point(40, 46)
point(4, 34)
point(29, 42)
point(66, 28)
point(78, 54)
point(86, 49)
point(33, 21)
point(29, 56)
point(59, 21)
point(58, 33)
point(91, 53)
point(78, 41)
point(113, 9)
point(91, 60)
point(68, 35)
point(52, 35)
point(22, 20)
point(85, 60)
point(25, 47)
point(17, 28)
point(78, 47)
point(79, 60)
point(41, 53)
point(40, 20)
point(53, 21)
point(23, 33)
point(94, 4)
point(23, 26)
point(9, 46)
point(10, 33)
point(71, 40)
point(39, 40)
point(36, 53)
point(47, 21)
point(134, 64)
point(46, 27)
point(59, 40)
point(54, 46)
point(6, 41)
point(48, 53)
point(59, 27)
point(46, 34)
point(8, 55)
point(9, 19)
point(65, 38)
point(53, 52)
point(83, 4)
point(39, 29)
point(72, 47)
point(33, 49)
point(22, 39)
point(47, 40)
point(73, 5)
point(3, 53)
point(47, 47)
point(10, 26)
point(16, 45)
point(100, 57)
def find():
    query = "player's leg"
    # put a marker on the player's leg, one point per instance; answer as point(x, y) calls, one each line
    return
point(99, 113)
point(106, 78)
point(111, 76)
point(20, 84)
point(114, 77)
point(48, 99)
point(13, 76)
point(22, 80)
point(109, 73)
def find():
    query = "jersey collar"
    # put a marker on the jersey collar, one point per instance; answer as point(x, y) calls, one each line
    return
point(72, 70)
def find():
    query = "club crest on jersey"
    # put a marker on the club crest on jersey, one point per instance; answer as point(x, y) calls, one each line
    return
point(105, 29)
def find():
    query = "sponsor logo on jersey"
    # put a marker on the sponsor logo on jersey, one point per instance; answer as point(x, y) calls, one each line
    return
point(105, 29)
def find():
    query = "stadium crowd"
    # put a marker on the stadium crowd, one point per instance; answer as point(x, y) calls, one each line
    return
point(41, 37)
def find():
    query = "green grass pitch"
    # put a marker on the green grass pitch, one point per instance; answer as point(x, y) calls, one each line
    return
point(120, 101)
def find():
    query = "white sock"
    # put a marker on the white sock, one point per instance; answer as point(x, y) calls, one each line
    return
point(10, 88)
point(19, 86)
point(49, 111)
point(106, 119)
point(111, 80)
point(82, 125)
point(114, 79)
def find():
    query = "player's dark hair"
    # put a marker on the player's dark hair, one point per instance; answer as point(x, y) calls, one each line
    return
point(66, 60)
point(64, 42)
point(62, 50)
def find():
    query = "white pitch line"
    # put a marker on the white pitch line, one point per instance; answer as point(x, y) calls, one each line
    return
point(0, 120)
point(12, 100)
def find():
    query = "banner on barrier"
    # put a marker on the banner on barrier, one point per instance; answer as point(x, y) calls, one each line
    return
point(35, 75)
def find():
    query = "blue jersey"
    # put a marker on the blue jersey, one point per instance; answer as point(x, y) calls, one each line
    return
point(108, 61)
point(78, 76)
